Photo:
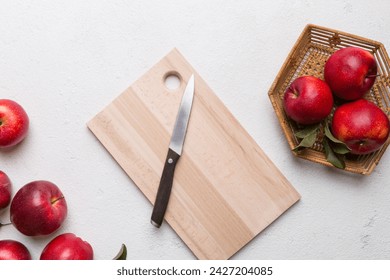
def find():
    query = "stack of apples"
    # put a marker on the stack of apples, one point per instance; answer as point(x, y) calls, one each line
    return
point(39, 208)
point(357, 123)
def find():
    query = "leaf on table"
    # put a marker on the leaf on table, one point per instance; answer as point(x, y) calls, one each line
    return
point(122, 254)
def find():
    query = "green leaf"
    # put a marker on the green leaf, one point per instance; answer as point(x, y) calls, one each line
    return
point(340, 148)
point(122, 254)
point(332, 157)
point(337, 146)
point(329, 134)
point(307, 131)
point(308, 141)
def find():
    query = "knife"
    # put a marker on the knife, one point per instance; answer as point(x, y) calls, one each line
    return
point(173, 155)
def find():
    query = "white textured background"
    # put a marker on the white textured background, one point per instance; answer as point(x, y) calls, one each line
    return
point(65, 60)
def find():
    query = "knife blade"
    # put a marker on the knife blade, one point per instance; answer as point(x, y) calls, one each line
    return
point(174, 152)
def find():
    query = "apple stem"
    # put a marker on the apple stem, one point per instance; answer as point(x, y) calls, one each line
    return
point(7, 224)
point(372, 76)
point(55, 200)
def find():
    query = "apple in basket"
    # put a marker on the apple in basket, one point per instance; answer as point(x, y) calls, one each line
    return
point(308, 100)
point(361, 125)
point(350, 72)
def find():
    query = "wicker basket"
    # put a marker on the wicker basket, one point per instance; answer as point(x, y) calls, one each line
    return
point(308, 57)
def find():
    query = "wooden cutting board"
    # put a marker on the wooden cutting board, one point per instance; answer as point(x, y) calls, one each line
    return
point(225, 189)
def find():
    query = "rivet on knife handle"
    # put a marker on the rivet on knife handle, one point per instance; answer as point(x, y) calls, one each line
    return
point(174, 153)
point(164, 189)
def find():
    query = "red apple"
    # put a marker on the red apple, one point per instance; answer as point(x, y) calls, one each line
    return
point(361, 125)
point(14, 123)
point(67, 246)
point(38, 208)
point(5, 190)
point(308, 100)
point(13, 250)
point(350, 72)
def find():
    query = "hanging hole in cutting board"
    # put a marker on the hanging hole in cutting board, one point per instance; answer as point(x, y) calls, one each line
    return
point(172, 80)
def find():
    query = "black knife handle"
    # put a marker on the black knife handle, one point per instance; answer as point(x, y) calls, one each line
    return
point(164, 189)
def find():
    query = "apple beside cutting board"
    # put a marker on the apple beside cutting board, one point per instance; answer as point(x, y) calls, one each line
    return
point(225, 189)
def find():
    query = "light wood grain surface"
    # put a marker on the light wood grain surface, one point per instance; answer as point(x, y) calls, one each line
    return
point(225, 189)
